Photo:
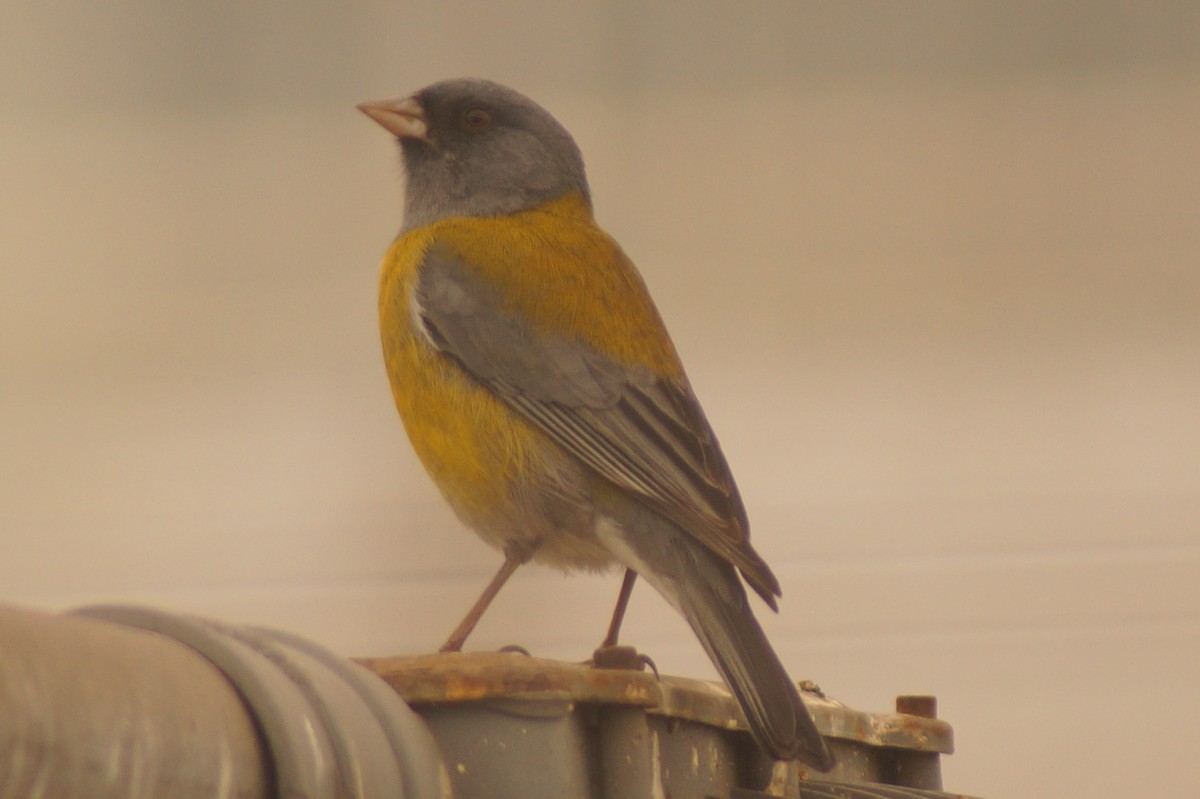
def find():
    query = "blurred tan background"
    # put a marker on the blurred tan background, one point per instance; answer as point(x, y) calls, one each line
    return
point(934, 268)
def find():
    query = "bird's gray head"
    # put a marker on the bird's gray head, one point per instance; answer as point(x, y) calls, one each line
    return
point(476, 148)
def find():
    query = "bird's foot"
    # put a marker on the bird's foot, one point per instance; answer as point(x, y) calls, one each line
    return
point(622, 657)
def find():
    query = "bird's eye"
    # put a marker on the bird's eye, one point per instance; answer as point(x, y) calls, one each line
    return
point(477, 119)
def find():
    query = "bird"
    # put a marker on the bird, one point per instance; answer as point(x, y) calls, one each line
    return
point(541, 391)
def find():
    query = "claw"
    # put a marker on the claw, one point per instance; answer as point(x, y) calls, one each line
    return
point(622, 657)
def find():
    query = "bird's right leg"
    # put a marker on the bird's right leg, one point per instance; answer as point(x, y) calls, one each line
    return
point(514, 556)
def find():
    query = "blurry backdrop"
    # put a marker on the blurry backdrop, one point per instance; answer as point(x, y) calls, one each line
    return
point(934, 269)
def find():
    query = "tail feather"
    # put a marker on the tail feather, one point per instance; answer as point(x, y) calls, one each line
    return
point(706, 589)
point(739, 649)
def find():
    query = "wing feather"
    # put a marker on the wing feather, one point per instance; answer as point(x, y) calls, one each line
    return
point(642, 433)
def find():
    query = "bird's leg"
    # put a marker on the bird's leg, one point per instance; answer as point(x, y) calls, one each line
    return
point(614, 627)
point(610, 655)
point(514, 556)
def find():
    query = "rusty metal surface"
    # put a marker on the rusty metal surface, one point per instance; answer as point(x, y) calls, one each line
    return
point(474, 676)
point(467, 676)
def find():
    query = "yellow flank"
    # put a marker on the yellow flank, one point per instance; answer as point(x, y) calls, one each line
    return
point(552, 264)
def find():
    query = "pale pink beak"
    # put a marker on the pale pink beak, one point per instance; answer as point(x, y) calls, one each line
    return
point(403, 117)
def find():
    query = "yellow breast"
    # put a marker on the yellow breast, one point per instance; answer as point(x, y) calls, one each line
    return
point(472, 446)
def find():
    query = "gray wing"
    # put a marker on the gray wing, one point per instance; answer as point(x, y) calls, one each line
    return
point(644, 434)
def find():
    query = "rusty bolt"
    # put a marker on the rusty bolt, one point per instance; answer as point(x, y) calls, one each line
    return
point(923, 706)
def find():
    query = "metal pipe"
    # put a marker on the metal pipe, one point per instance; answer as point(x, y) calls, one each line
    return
point(91, 710)
point(132, 702)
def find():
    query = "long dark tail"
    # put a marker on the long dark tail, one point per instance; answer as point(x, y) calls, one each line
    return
point(706, 589)
point(723, 621)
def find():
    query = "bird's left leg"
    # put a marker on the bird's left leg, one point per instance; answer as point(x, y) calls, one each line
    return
point(614, 627)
